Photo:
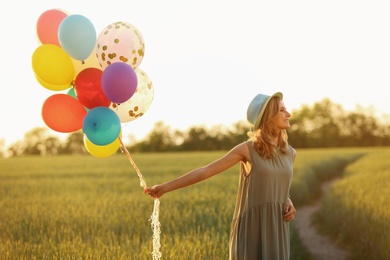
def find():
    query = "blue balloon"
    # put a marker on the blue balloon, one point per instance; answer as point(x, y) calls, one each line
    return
point(77, 36)
point(101, 125)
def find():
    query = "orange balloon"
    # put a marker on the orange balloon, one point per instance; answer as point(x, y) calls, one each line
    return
point(47, 26)
point(63, 113)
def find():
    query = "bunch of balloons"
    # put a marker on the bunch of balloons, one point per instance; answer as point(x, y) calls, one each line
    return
point(97, 81)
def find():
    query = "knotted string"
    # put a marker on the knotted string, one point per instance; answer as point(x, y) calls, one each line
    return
point(154, 219)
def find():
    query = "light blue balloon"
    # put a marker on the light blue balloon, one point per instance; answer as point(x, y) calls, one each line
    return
point(101, 125)
point(77, 36)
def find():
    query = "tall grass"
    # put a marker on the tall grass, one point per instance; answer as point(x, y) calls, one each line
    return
point(92, 208)
point(356, 211)
point(313, 166)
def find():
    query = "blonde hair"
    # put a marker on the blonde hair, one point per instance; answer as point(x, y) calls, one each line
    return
point(263, 137)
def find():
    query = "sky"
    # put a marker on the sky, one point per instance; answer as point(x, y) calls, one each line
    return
point(208, 59)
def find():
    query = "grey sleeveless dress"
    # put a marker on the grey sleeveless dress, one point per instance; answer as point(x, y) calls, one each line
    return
point(258, 230)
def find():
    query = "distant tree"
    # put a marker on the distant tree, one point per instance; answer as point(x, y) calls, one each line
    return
point(160, 139)
point(297, 135)
point(236, 134)
point(2, 146)
point(37, 141)
point(326, 117)
point(50, 146)
point(361, 129)
point(323, 124)
point(196, 139)
point(74, 144)
point(317, 126)
point(217, 137)
point(326, 124)
point(16, 149)
point(34, 141)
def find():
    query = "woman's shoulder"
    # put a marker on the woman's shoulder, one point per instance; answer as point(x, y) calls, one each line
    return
point(293, 151)
point(244, 145)
point(242, 149)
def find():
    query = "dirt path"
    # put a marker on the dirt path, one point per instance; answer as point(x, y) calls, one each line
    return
point(321, 247)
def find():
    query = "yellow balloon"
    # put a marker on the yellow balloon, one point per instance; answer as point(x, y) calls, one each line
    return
point(101, 151)
point(52, 65)
point(91, 62)
point(52, 86)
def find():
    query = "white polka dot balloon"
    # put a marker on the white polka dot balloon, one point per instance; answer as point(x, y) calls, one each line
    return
point(120, 42)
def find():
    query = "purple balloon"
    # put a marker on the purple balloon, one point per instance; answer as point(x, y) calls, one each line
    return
point(119, 82)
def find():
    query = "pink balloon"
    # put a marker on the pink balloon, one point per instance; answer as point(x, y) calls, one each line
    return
point(119, 82)
point(47, 26)
point(120, 42)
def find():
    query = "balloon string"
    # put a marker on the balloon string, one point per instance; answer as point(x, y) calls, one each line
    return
point(155, 223)
point(141, 177)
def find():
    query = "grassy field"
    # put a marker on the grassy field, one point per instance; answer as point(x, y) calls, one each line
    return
point(71, 207)
point(356, 211)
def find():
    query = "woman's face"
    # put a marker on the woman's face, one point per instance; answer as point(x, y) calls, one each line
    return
point(281, 120)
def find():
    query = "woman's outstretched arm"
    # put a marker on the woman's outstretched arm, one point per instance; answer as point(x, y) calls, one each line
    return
point(237, 154)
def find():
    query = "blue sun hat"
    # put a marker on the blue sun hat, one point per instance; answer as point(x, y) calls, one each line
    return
point(257, 107)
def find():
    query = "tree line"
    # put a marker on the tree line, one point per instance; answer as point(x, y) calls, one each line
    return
point(324, 124)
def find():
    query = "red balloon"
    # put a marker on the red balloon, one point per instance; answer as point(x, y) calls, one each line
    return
point(63, 113)
point(47, 26)
point(89, 88)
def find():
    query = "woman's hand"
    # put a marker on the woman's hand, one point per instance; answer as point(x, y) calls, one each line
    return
point(154, 191)
point(289, 211)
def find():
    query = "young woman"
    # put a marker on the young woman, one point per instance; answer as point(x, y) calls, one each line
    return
point(260, 225)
